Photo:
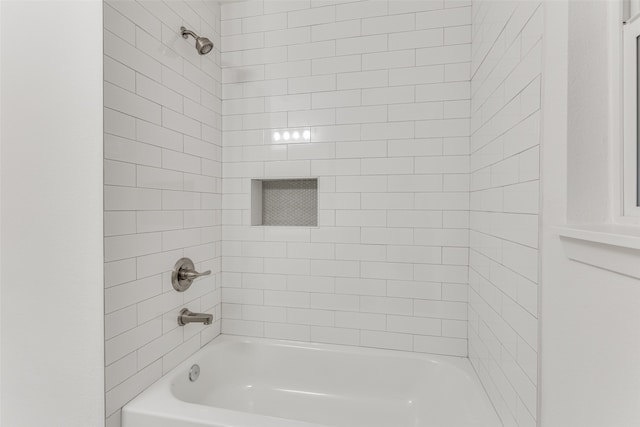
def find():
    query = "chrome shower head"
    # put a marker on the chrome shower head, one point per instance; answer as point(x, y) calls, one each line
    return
point(203, 44)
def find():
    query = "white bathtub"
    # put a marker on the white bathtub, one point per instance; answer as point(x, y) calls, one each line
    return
point(250, 382)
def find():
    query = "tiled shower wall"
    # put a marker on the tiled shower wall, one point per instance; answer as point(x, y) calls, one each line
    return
point(503, 273)
point(383, 88)
point(162, 187)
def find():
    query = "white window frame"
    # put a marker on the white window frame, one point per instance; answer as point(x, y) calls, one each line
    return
point(630, 35)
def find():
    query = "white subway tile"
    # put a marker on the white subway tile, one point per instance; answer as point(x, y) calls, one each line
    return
point(119, 74)
point(388, 95)
point(337, 268)
point(361, 149)
point(311, 118)
point(117, 123)
point(443, 55)
point(119, 371)
point(363, 44)
point(388, 340)
point(120, 321)
point(346, 98)
point(119, 173)
point(265, 88)
point(118, 272)
point(416, 111)
point(287, 299)
point(396, 130)
point(443, 92)
point(230, 27)
point(335, 167)
point(307, 17)
point(416, 75)
point(311, 50)
point(242, 41)
point(388, 60)
point(356, 320)
point(116, 148)
point(414, 290)
point(440, 273)
point(387, 166)
point(285, 70)
point(337, 64)
point(413, 325)
point(287, 37)
point(125, 343)
point(262, 23)
point(388, 24)
point(334, 335)
point(393, 271)
point(387, 201)
point(288, 103)
point(156, 135)
point(159, 178)
point(416, 39)
point(121, 247)
point(334, 302)
point(457, 72)
point(440, 309)
point(441, 345)
point(242, 327)
point(287, 331)
point(125, 53)
point(312, 84)
point(444, 18)
point(275, 282)
point(310, 284)
point(126, 102)
point(124, 198)
point(363, 9)
point(442, 128)
point(312, 151)
point(457, 35)
point(261, 313)
point(336, 235)
point(415, 218)
point(335, 133)
point(127, 390)
point(309, 317)
point(335, 30)
point(350, 115)
point(277, 6)
point(371, 218)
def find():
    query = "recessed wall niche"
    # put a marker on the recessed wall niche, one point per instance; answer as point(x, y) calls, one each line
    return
point(284, 202)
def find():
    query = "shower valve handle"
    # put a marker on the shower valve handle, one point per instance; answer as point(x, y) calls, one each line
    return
point(184, 273)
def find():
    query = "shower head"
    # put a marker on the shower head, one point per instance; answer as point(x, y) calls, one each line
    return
point(203, 44)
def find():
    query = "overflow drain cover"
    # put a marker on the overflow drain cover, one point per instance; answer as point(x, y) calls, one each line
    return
point(194, 372)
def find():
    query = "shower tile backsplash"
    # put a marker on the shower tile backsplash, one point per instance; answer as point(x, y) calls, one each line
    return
point(424, 145)
point(383, 90)
point(503, 264)
point(162, 151)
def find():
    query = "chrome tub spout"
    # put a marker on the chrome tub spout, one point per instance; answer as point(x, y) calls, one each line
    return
point(187, 316)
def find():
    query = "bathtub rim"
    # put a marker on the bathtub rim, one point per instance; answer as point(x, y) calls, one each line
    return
point(160, 395)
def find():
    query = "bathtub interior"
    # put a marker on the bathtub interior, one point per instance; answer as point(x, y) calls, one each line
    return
point(335, 385)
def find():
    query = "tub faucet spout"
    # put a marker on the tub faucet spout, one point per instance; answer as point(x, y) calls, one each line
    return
point(187, 316)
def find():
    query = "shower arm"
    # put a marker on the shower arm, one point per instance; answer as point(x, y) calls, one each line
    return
point(186, 33)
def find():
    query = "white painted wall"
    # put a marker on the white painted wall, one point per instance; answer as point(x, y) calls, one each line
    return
point(588, 113)
point(162, 187)
point(51, 242)
point(589, 370)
